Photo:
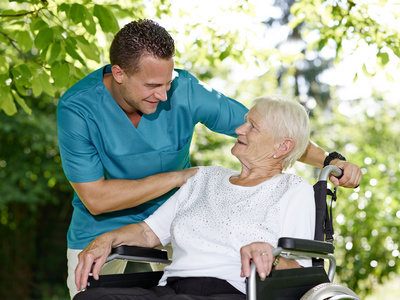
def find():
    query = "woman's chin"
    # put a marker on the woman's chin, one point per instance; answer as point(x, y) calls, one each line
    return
point(235, 149)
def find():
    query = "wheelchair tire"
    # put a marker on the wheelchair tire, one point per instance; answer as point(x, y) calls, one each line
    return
point(329, 290)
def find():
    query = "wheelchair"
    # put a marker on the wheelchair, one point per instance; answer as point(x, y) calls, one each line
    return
point(311, 283)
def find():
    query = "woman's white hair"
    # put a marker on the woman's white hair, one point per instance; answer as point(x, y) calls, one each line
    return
point(286, 118)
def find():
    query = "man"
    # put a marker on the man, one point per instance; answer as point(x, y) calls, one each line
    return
point(124, 126)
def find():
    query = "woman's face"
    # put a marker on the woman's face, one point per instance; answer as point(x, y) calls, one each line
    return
point(255, 143)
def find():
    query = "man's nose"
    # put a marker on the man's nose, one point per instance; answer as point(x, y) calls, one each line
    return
point(161, 93)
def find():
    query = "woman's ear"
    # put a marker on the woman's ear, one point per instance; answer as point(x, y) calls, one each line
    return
point(117, 73)
point(284, 147)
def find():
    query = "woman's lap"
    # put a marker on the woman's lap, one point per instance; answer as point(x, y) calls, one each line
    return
point(159, 292)
point(195, 288)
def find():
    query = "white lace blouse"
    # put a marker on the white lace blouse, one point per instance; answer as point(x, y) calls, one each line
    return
point(209, 219)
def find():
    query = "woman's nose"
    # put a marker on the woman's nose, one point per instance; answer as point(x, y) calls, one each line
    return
point(240, 130)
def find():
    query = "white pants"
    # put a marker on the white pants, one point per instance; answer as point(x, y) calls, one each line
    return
point(72, 260)
point(116, 267)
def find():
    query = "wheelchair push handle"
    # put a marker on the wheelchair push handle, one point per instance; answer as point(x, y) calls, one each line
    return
point(335, 171)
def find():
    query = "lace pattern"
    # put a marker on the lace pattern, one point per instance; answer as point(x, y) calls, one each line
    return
point(224, 217)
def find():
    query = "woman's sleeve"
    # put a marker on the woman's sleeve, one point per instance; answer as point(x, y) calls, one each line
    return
point(160, 221)
point(299, 217)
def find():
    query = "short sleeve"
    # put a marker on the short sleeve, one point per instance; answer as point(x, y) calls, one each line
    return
point(80, 159)
point(298, 220)
point(160, 221)
point(213, 109)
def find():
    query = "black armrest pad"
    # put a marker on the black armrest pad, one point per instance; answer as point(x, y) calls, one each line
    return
point(305, 245)
point(142, 279)
point(140, 251)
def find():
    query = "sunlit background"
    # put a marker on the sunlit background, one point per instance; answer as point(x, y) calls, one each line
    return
point(339, 58)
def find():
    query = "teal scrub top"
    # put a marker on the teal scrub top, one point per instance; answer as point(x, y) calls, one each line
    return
point(97, 139)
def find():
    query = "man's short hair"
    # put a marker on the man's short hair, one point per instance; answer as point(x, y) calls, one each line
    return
point(137, 39)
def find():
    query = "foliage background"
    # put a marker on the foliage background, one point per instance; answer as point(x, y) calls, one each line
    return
point(46, 46)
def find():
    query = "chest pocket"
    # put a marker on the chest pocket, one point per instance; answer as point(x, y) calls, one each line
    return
point(139, 165)
point(176, 160)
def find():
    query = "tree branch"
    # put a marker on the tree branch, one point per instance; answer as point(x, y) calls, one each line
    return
point(16, 48)
point(13, 44)
point(23, 14)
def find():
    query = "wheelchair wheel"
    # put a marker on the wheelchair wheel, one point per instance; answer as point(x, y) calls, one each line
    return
point(329, 291)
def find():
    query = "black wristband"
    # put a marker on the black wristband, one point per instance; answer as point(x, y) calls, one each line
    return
point(333, 155)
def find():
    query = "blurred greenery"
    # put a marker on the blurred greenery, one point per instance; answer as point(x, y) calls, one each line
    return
point(46, 46)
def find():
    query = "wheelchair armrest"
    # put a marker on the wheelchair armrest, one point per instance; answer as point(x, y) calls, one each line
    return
point(305, 245)
point(140, 278)
point(295, 249)
point(139, 254)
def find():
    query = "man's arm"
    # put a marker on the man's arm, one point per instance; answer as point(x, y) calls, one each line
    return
point(103, 196)
point(139, 234)
point(315, 156)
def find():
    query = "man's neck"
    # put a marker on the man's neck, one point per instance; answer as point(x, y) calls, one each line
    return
point(133, 115)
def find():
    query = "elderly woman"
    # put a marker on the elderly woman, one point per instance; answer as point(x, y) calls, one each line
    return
point(221, 219)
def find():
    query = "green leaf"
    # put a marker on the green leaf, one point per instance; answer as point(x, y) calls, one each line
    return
point(21, 102)
point(70, 48)
point(89, 50)
point(44, 52)
point(24, 40)
point(60, 74)
point(355, 78)
point(38, 24)
point(384, 57)
point(6, 101)
point(23, 70)
point(53, 52)
point(321, 44)
point(21, 78)
point(89, 22)
point(4, 66)
point(389, 77)
point(63, 7)
point(224, 54)
point(14, 13)
point(41, 83)
point(47, 87)
point(76, 13)
point(36, 87)
point(20, 86)
point(396, 51)
point(44, 38)
point(364, 68)
point(107, 20)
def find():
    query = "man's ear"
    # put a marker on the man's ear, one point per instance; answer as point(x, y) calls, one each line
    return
point(117, 73)
point(284, 147)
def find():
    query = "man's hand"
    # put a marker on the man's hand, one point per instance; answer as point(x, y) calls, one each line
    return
point(351, 174)
point(95, 253)
point(184, 175)
point(261, 254)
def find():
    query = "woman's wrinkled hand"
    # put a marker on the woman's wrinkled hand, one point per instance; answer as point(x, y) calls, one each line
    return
point(261, 254)
point(91, 260)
